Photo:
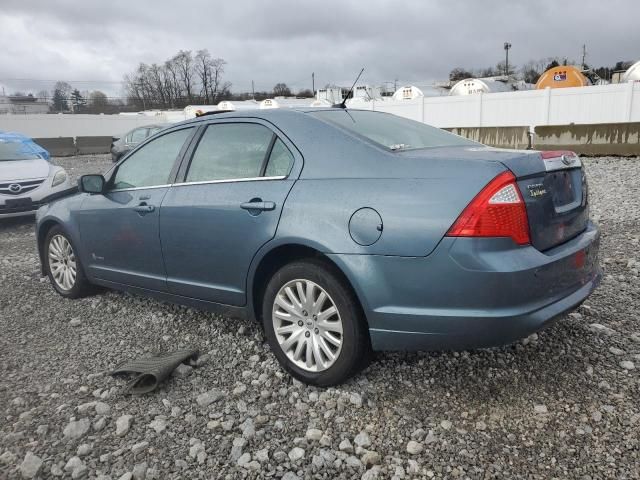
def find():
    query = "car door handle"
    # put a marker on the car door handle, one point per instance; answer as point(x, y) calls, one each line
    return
point(143, 209)
point(258, 205)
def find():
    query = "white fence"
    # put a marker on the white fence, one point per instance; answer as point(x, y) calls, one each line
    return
point(561, 106)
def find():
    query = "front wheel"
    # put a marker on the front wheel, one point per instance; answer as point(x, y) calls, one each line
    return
point(314, 324)
point(63, 266)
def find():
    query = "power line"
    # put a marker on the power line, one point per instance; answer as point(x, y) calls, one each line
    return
point(42, 80)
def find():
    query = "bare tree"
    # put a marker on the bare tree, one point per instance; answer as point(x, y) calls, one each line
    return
point(203, 68)
point(281, 90)
point(459, 74)
point(305, 93)
point(43, 95)
point(98, 102)
point(172, 80)
point(184, 63)
point(179, 81)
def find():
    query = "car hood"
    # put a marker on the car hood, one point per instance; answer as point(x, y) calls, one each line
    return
point(23, 169)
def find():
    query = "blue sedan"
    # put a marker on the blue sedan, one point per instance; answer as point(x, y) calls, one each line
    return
point(341, 231)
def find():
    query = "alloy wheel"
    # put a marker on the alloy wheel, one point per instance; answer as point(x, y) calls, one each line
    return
point(307, 325)
point(62, 262)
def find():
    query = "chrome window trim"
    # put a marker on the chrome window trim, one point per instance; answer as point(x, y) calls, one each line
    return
point(203, 182)
point(231, 180)
point(138, 188)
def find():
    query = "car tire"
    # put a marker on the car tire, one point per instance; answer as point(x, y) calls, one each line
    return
point(63, 266)
point(298, 330)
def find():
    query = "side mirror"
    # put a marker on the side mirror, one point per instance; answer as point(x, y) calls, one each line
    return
point(91, 183)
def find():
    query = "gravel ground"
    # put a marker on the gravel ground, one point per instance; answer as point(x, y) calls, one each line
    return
point(564, 403)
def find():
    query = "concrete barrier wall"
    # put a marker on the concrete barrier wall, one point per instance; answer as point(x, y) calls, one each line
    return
point(58, 147)
point(502, 137)
point(67, 146)
point(599, 139)
point(93, 145)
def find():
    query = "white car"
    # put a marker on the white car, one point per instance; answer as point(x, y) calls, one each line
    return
point(26, 178)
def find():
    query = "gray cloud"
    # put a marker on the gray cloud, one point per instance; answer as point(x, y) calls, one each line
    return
point(269, 42)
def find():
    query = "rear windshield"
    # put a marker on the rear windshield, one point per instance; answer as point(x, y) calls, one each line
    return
point(16, 151)
point(390, 131)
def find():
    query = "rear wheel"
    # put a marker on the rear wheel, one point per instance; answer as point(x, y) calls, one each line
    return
point(63, 266)
point(314, 324)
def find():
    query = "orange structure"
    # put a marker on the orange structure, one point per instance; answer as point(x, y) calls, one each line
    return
point(562, 77)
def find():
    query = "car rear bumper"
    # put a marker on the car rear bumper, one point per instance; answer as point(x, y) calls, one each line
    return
point(471, 293)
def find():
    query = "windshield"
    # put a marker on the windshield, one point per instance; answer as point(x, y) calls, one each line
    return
point(15, 151)
point(390, 131)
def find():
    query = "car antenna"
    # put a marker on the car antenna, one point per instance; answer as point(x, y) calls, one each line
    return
point(343, 104)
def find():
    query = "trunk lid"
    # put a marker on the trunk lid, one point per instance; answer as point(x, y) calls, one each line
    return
point(554, 188)
point(554, 191)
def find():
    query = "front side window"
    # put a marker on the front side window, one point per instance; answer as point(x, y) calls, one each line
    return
point(230, 151)
point(151, 164)
point(390, 131)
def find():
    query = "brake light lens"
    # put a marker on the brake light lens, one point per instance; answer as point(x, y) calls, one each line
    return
point(497, 211)
point(557, 154)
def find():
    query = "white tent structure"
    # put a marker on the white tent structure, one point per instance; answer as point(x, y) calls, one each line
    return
point(367, 92)
point(472, 86)
point(411, 92)
point(321, 103)
point(632, 74)
point(226, 105)
point(290, 102)
point(331, 95)
point(190, 111)
point(268, 103)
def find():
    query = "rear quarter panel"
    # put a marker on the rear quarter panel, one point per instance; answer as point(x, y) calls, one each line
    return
point(416, 212)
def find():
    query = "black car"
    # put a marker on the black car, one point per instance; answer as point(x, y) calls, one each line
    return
point(122, 145)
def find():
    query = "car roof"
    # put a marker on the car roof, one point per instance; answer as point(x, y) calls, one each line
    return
point(266, 113)
point(152, 125)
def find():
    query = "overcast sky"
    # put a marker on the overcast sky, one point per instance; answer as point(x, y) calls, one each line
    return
point(286, 40)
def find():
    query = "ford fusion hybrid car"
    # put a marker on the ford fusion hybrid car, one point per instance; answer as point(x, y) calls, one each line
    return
point(341, 231)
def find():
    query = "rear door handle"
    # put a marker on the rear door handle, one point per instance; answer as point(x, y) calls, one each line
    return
point(143, 208)
point(259, 205)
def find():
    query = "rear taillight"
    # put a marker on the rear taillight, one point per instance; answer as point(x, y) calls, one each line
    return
point(557, 154)
point(497, 211)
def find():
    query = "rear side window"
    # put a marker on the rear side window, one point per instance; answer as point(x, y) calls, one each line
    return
point(390, 131)
point(138, 135)
point(280, 161)
point(230, 151)
point(151, 164)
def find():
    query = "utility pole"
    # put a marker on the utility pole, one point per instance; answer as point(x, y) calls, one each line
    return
point(313, 82)
point(584, 56)
point(253, 91)
point(507, 46)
